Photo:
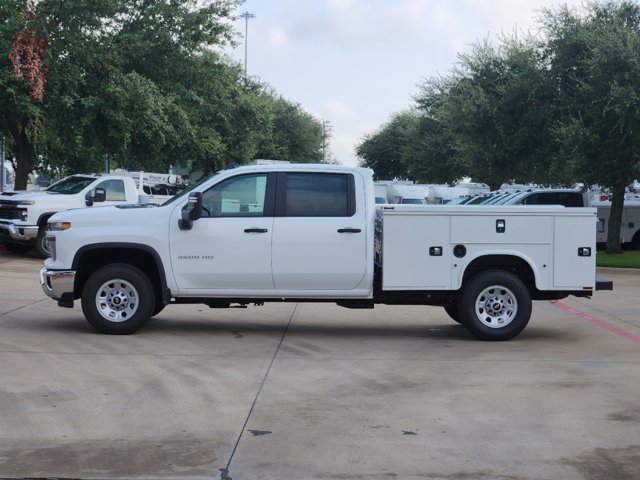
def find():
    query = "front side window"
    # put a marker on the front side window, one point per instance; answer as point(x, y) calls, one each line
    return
point(114, 190)
point(319, 195)
point(242, 196)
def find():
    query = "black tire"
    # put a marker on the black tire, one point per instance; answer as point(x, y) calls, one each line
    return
point(118, 299)
point(41, 246)
point(15, 248)
point(452, 311)
point(635, 243)
point(495, 305)
point(158, 307)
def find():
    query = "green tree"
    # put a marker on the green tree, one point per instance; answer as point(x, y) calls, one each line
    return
point(383, 150)
point(496, 112)
point(594, 59)
point(429, 153)
point(85, 79)
point(295, 136)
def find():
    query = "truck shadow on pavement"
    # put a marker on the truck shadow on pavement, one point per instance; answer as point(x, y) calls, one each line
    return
point(241, 328)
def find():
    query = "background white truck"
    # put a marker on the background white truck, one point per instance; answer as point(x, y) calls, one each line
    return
point(312, 233)
point(629, 227)
point(24, 214)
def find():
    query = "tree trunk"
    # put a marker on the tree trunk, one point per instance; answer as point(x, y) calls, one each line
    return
point(615, 220)
point(24, 155)
point(495, 185)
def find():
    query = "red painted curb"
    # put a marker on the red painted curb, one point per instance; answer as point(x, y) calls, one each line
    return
point(599, 322)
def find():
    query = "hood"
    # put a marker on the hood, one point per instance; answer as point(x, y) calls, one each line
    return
point(19, 195)
point(100, 215)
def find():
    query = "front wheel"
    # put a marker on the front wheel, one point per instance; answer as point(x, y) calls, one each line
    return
point(118, 299)
point(41, 246)
point(495, 305)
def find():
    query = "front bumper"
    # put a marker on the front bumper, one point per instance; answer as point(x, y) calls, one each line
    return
point(57, 284)
point(18, 233)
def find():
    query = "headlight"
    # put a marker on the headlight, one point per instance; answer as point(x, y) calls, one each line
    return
point(59, 226)
point(25, 202)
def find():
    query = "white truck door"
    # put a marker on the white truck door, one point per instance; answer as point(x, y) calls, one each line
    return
point(230, 246)
point(319, 236)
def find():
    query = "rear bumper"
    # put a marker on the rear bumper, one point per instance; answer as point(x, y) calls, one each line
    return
point(603, 284)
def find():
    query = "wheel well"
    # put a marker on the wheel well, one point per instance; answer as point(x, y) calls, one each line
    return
point(509, 263)
point(90, 260)
point(635, 241)
point(42, 221)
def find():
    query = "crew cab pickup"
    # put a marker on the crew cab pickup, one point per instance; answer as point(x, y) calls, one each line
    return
point(24, 214)
point(312, 233)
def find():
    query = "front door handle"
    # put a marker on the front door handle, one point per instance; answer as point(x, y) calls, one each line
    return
point(255, 230)
point(349, 230)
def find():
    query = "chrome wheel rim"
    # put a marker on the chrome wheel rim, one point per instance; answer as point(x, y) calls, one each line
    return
point(496, 306)
point(44, 245)
point(117, 300)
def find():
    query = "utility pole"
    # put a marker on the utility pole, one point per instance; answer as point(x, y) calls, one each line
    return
point(246, 16)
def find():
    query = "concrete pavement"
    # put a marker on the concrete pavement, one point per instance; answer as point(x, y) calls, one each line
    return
point(314, 391)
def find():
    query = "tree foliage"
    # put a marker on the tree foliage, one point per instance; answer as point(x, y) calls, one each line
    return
point(382, 151)
point(556, 112)
point(137, 82)
point(594, 59)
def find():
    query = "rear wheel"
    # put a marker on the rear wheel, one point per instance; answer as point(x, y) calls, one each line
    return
point(118, 299)
point(495, 305)
point(452, 311)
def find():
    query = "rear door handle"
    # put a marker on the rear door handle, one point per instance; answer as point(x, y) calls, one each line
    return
point(349, 230)
point(255, 230)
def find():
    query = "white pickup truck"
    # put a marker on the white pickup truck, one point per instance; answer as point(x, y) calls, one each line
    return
point(311, 233)
point(24, 214)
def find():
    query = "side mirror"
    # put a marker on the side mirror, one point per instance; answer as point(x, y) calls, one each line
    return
point(99, 195)
point(191, 211)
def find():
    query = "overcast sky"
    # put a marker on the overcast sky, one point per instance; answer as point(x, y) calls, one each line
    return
point(355, 63)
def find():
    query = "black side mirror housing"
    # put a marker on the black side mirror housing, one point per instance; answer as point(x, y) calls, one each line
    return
point(191, 211)
point(99, 195)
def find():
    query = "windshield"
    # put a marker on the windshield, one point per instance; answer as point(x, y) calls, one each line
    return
point(70, 185)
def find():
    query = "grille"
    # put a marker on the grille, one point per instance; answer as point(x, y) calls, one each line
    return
point(10, 212)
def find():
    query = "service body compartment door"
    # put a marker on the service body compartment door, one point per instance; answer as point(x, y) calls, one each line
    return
point(492, 229)
point(416, 252)
point(572, 267)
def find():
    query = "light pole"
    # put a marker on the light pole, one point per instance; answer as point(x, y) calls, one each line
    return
point(246, 16)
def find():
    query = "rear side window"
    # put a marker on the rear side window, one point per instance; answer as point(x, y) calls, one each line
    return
point(316, 195)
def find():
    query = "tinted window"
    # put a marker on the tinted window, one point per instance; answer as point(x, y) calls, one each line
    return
point(570, 199)
point(567, 199)
point(318, 195)
point(242, 196)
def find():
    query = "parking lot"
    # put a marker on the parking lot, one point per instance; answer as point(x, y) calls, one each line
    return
point(315, 391)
